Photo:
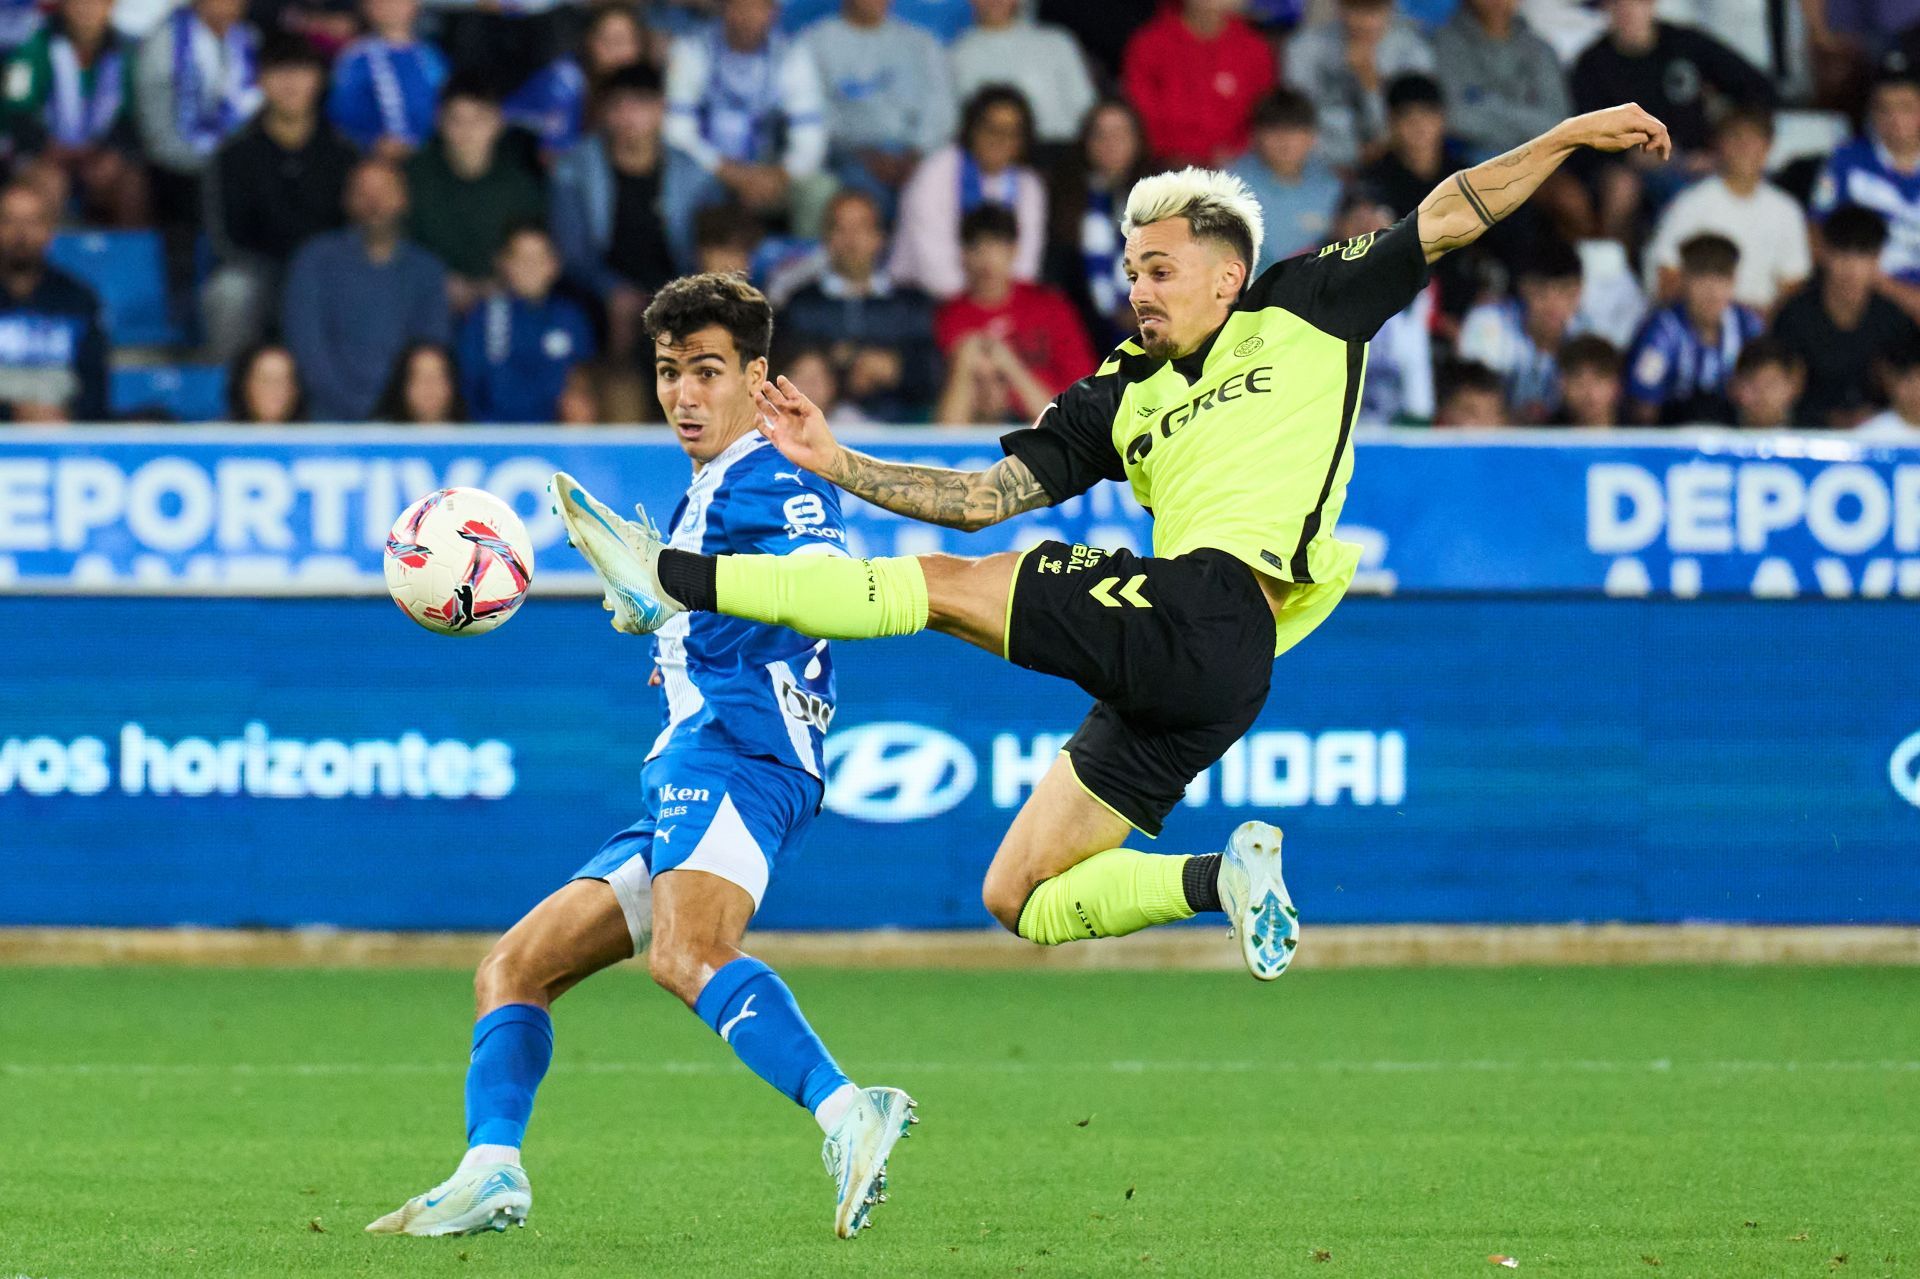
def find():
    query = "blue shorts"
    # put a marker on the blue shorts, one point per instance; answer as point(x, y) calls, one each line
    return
point(728, 815)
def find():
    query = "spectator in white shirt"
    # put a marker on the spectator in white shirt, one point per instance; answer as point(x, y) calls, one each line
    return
point(1738, 202)
point(1042, 61)
point(744, 106)
point(987, 166)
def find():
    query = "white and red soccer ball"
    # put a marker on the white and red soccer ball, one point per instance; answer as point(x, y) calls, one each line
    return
point(459, 561)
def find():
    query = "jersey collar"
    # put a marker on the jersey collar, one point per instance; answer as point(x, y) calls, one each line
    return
point(1194, 363)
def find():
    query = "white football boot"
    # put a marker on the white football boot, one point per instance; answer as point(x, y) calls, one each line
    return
point(472, 1201)
point(1259, 912)
point(624, 553)
point(856, 1154)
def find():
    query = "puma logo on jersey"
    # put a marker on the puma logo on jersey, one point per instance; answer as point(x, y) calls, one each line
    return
point(1253, 382)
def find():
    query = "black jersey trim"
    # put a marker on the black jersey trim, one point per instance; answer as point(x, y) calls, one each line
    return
point(1310, 527)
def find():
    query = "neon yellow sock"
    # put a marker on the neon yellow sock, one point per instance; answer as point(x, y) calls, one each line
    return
point(826, 596)
point(1110, 894)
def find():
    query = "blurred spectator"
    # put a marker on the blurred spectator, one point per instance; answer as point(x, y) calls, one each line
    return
point(1503, 83)
point(1024, 337)
point(725, 238)
point(1671, 70)
point(944, 20)
point(1345, 65)
point(553, 103)
point(987, 166)
point(811, 369)
point(1297, 191)
point(889, 99)
point(579, 399)
point(877, 333)
point(1679, 365)
point(1520, 338)
point(1840, 325)
point(1195, 72)
point(1739, 203)
point(20, 21)
point(66, 105)
point(53, 352)
point(1590, 390)
point(356, 297)
point(1900, 421)
point(607, 220)
point(518, 345)
point(1417, 157)
point(1881, 172)
point(1470, 396)
point(274, 184)
point(744, 120)
point(468, 188)
point(263, 386)
point(1101, 28)
point(1768, 380)
point(1043, 62)
point(1089, 193)
point(421, 389)
point(1399, 384)
point(194, 88)
point(385, 84)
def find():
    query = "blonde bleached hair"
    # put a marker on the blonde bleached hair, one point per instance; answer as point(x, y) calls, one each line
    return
point(1217, 206)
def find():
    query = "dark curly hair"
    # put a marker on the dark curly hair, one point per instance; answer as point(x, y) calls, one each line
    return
point(694, 302)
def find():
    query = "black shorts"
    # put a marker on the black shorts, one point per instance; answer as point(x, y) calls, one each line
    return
point(1179, 653)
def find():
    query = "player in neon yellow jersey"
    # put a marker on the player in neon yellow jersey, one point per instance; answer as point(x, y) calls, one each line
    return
point(1231, 416)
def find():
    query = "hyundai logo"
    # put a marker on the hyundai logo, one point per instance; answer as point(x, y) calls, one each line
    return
point(1904, 770)
point(897, 772)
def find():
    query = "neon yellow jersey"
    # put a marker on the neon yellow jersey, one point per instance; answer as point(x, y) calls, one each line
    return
point(1245, 445)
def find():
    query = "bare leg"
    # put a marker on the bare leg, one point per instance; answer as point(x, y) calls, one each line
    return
point(699, 920)
point(573, 934)
point(968, 598)
point(1058, 827)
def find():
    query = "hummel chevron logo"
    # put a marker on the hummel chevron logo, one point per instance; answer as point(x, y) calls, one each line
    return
point(746, 1011)
point(1104, 592)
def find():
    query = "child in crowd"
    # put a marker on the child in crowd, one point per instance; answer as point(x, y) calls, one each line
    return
point(518, 346)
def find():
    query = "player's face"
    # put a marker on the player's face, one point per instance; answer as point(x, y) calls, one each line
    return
point(1182, 287)
point(705, 391)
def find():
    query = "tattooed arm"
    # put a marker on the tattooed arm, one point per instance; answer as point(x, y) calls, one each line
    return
point(1465, 206)
point(958, 499)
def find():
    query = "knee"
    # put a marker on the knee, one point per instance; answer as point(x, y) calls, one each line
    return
point(1005, 894)
point(503, 978)
point(676, 969)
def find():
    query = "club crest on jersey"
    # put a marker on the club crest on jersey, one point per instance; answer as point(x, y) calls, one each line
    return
point(1249, 346)
point(1253, 382)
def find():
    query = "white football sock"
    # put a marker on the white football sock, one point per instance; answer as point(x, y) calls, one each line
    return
point(490, 1155)
point(830, 1112)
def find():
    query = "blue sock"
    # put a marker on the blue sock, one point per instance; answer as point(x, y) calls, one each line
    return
point(512, 1047)
point(748, 1005)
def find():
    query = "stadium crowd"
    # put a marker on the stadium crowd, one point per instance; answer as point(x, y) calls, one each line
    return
point(379, 212)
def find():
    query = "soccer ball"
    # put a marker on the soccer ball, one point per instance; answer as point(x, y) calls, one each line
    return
point(458, 561)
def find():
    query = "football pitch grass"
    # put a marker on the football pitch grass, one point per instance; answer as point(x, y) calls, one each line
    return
point(1586, 1122)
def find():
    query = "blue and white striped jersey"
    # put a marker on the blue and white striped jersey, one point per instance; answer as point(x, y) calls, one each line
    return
point(738, 686)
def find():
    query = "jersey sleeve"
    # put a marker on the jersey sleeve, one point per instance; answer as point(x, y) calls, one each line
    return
point(1069, 448)
point(1352, 288)
point(778, 509)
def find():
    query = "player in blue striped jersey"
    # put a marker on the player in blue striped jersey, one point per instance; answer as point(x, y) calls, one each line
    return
point(729, 788)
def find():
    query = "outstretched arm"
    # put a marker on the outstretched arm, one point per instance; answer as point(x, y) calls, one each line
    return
point(1467, 205)
point(957, 499)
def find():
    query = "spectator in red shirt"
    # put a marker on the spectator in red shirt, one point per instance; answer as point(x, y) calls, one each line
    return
point(1011, 346)
point(1195, 74)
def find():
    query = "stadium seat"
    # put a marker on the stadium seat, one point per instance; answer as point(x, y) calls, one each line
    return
point(169, 392)
point(128, 270)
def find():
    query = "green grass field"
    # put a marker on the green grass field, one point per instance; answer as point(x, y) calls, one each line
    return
point(1710, 1122)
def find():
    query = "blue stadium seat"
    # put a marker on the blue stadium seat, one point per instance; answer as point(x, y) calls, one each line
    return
point(128, 270)
point(173, 392)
